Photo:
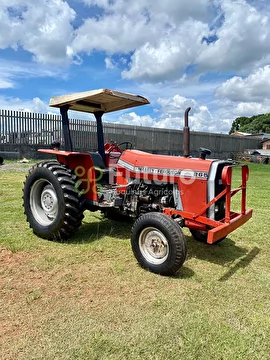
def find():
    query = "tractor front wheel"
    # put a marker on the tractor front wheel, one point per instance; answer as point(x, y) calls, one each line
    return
point(51, 201)
point(158, 243)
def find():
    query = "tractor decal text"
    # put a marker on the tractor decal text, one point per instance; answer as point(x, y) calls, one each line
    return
point(183, 173)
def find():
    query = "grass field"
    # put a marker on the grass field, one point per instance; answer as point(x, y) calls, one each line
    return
point(89, 299)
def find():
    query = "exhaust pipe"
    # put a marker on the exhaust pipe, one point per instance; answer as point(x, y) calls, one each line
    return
point(186, 135)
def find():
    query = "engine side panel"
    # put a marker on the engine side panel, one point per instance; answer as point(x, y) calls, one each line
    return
point(193, 194)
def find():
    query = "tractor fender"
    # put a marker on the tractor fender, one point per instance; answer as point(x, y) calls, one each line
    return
point(83, 167)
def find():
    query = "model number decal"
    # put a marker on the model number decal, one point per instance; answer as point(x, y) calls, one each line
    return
point(199, 174)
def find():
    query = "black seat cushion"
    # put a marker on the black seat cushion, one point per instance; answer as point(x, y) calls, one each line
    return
point(97, 160)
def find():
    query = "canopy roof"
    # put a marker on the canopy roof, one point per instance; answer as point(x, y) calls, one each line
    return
point(104, 100)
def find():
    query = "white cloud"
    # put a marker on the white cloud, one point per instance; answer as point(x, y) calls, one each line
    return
point(42, 27)
point(35, 105)
point(200, 118)
point(254, 87)
point(137, 120)
point(109, 63)
point(243, 39)
point(11, 72)
point(169, 56)
point(174, 11)
point(164, 39)
point(251, 108)
point(5, 83)
point(113, 33)
point(246, 96)
point(171, 116)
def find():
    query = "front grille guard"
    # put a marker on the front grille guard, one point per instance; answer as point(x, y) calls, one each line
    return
point(231, 221)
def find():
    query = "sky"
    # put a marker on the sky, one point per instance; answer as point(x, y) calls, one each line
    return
point(211, 55)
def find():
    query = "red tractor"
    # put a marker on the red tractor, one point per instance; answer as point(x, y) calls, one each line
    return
point(161, 193)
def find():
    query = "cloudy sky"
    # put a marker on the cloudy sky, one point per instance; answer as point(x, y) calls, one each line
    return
point(212, 55)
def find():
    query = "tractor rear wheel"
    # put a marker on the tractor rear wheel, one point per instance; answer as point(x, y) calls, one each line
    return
point(158, 243)
point(201, 236)
point(51, 201)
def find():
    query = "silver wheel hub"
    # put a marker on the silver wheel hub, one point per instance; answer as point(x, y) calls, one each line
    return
point(153, 245)
point(43, 202)
point(49, 201)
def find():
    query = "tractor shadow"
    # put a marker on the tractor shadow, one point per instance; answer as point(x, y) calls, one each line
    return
point(226, 254)
point(97, 227)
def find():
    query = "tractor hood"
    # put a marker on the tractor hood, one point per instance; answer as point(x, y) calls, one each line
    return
point(141, 162)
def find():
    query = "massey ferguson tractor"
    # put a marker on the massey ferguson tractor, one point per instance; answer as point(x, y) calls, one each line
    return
point(161, 193)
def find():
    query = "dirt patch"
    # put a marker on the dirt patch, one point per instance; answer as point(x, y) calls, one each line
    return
point(9, 258)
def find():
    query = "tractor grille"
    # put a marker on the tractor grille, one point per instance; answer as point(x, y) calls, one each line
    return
point(215, 187)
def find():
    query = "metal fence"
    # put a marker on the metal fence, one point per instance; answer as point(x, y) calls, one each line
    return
point(23, 128)
point(25, 132)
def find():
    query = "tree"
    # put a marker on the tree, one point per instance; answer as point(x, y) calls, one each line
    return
point(254, 124)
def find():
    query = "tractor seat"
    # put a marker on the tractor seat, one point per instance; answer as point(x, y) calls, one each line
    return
point(99, 165)
point(97, 160)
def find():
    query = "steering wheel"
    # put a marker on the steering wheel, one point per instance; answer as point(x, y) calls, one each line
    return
point(115, 147)
point(128, 144)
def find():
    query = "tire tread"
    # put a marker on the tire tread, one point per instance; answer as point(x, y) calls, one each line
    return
point(73, 213)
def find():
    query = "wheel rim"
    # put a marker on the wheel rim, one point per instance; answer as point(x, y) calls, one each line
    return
point(153, 245)
point(43, 202)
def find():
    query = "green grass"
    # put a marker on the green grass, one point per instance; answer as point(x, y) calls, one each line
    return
point(89, 299)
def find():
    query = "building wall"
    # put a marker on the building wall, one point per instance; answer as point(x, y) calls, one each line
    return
point(266, 145)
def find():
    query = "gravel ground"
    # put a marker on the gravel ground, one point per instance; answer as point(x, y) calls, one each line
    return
point(16, 166)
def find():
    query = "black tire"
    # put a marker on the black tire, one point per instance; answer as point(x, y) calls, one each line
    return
point(158, 243)
point(51, 201)
point(201, 236)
